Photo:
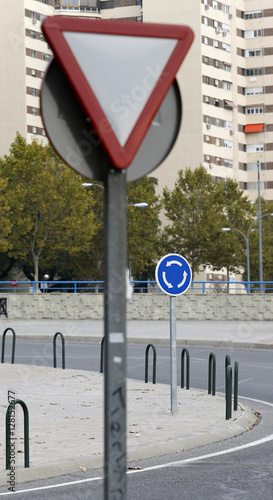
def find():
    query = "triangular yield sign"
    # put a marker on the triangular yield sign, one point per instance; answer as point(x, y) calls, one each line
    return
point(120, 73)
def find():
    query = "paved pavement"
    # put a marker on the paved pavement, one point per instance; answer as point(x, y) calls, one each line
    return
point(66, 406)
point(257, 334)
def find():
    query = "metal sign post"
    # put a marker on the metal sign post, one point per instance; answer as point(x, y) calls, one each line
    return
point(173, 354)
point(115, 336)
point(173, 276)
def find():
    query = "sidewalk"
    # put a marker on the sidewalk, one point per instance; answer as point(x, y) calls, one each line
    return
point(258, 334)
point(66, 420)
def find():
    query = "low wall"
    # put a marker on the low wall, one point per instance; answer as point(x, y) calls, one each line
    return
point(216, 307)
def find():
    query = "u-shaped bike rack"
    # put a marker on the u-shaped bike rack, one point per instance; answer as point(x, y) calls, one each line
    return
point(184, 352)
point(54, 350)
point(10, 433)
point(102, 354)
point(13, 345)
point(212, 374)
point(147, 360)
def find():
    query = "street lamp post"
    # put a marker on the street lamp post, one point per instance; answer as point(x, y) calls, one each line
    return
point(137, 205)
point(246, 237)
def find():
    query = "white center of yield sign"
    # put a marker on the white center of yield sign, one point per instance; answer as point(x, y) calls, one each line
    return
point(122, 71)
point(173, 274)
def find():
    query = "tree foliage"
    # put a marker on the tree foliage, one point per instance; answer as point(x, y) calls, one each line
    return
point(49, 211)
point(198, 208)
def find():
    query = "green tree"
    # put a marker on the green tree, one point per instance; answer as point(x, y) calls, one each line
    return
point(50, 212)
point(198, 209)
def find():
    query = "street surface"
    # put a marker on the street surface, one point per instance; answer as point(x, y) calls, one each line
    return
point(237, 468)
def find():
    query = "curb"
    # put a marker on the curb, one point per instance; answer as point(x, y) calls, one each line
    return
point(145, 341)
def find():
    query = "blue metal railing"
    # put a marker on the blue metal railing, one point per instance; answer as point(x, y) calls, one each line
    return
point(201, 287)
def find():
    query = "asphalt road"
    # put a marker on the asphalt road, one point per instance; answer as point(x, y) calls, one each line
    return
point(236, 468)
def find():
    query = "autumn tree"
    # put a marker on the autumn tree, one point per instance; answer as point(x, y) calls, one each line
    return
point(50, 213)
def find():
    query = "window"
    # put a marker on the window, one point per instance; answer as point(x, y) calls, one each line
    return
point(253, 33)
point(225, 8)
point(35, 111)
point(215, 44)
point(33, 34)
point(33, 72)
point(33, 53)
point(226, 27)
point(252, 167)
point(228, 163)
point(226, 47)
point(206, 60)
point(227, 66)
point(217, 141)
point(34, 130)
point(253, 53)
point(254, 110)
point(253, 90)
point(217, 103)
point(207, 80)
point(214, 4)
point(206, 21)
point(207, 99)
point(254, 148)
point(217, 84)
point(217, 122)
point(228, 144)
point(206, 40)
point(252, 14)
point(34, 92)
point(45, 57)
point(228, 125)
point(216, 63)
point(215, 24)
point(254, 185)
point(253, 71)
point(226, 85)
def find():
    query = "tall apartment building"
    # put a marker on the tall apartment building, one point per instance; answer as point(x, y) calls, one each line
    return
point(24, 56)
point(226, 83)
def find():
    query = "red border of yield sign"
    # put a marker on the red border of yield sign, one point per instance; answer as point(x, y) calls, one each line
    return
point(53, 28)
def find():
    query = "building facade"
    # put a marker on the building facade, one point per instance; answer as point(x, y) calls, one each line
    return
point(24, 56)
point(227, 90)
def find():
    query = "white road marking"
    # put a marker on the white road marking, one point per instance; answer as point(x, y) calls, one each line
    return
point(178, 463)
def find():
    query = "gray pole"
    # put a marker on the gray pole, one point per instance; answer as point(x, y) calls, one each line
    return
point(173, 354)
point(260, 231)
point(115, 336)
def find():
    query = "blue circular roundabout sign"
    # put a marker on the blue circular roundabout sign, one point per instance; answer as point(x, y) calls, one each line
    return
point(173, 274)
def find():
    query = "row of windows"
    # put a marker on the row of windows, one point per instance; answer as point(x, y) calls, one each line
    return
point(225, 85)
point(217, 141)
point(216, 44)
point(221, 162)
point(209, 120)
point(217, 64)
point(225, 28)
point(252, 14)
point(219, 6)
point(217, 102)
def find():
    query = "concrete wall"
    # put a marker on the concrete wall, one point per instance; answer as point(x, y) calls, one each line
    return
point(215, 307)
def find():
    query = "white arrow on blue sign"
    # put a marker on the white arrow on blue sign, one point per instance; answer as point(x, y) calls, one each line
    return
point(173, 274)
